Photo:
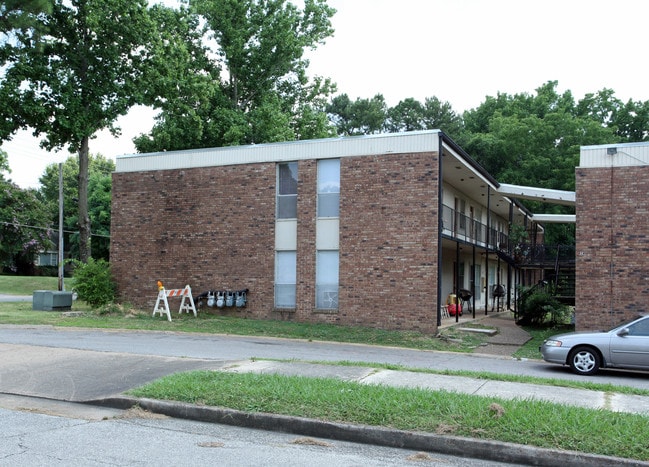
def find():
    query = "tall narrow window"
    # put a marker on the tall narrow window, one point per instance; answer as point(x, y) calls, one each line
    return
point(285, 279)
point(327, 254)
point(328, 187)
point(287, 191)
point(286, 236)
point(327, 280)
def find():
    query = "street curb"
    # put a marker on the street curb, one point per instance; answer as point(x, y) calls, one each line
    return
point(451, 445)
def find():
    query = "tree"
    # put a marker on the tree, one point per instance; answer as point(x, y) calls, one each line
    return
point(254, 87)
point(4, 163)
point(631, 121)
point(99, 200)
point(532, 139)
point(411, 115)
point(88, 71)
point(19, 18)
point(24, 228)
point(535, 140)
point(361, 117)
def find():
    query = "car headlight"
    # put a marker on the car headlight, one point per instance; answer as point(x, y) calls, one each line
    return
point(552, 343)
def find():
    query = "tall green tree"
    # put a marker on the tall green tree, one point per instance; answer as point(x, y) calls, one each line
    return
point(99, 201)
point(254, 87)
point(411, 115)
point(359, 117)
point(88, 72)
point(532, 139)
point(535, 140)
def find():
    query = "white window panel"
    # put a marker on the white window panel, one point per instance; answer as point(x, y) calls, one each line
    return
point(286, 234)
point(327, 234)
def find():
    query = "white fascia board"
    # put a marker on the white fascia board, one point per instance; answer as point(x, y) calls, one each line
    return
point(566, 198)
point(328, 148)
point(554, 218)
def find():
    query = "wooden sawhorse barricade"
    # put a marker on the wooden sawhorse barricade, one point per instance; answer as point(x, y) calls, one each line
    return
point(186, 304)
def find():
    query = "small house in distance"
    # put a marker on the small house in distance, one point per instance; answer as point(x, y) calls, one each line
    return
point(376, 231)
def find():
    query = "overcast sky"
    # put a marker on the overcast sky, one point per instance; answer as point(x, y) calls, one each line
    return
point(459, 51)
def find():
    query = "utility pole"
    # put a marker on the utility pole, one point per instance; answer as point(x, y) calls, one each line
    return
point(61, 285)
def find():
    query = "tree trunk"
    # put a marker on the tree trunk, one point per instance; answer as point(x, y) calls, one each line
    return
point(84, 218)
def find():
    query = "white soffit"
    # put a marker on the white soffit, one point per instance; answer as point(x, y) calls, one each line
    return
point(395, 143)
point(555, 218)
point(566, 198)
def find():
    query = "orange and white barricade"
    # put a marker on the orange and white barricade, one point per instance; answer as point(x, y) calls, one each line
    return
point(162, 305)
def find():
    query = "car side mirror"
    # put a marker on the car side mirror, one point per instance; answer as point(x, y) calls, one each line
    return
point(623, 332)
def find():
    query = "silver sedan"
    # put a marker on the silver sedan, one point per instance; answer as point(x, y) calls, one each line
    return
point(625, 346)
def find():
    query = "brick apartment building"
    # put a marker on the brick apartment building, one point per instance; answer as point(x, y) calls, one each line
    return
point(374, 230)
point(612, 254)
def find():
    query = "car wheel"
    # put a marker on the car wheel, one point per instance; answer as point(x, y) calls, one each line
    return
point(584, 361)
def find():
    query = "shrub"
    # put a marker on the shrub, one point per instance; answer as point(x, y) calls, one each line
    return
point(93, 282)
point(539, 306)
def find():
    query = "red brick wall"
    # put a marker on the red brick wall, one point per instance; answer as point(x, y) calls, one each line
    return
point(211, 228)
point(612, 245)
point(389, 237)
point(214, 228)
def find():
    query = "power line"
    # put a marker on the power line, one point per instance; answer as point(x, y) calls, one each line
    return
point(15, 224)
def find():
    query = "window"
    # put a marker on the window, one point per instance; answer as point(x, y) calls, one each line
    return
point(285, 279)
point(287, 190)
point(328, 187)
point(641, 328)
point(327, 280)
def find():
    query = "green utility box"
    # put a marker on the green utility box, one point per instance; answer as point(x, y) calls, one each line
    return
point(51, 300)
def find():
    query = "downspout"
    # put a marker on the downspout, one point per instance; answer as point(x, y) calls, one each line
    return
point(472, 281)
point(456, 279)
point(440, 226)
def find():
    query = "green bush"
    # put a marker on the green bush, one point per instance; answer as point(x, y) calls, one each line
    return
point(93, 282)
point(539, 306)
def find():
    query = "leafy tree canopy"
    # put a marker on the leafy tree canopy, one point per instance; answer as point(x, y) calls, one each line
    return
point(533, 140)
point(251, 87)
point(88, 70)
point(361, 117)
point(99, 201)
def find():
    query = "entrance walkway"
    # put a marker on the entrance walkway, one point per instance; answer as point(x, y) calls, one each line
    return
point(506, 341)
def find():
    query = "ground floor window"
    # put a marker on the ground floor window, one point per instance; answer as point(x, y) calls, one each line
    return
point(327, 280)
point(285, 279)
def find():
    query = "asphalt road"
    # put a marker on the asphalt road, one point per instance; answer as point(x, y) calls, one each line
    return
point(219, 350)
point(110, 437)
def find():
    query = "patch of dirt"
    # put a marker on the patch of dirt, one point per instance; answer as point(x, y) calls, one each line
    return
point(312, 442)
point(139, 412)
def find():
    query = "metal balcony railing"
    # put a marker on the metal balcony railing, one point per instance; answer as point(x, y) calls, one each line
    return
point(462, 227)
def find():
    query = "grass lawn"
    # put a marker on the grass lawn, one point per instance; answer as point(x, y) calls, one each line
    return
point(25, 285)
point(522, 421)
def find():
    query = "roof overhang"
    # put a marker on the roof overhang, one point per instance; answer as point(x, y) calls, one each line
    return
point(555, 218)
point(566, 198)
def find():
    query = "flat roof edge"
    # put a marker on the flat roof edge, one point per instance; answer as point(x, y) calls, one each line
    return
point(326, 148)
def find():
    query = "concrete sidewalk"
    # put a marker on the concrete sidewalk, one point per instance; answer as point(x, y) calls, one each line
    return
point(598, 400)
